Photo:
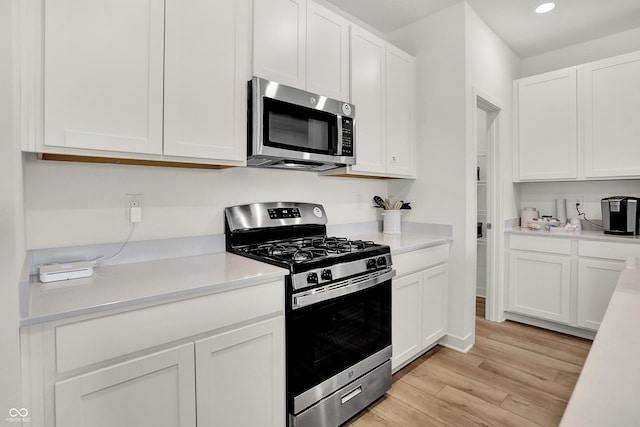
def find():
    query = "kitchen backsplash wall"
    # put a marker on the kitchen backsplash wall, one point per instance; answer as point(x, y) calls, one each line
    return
point(542, 195)
point(69, 204)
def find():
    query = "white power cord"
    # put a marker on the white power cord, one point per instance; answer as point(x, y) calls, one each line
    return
point(117, 254)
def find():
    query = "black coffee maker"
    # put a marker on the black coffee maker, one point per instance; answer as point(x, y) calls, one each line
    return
point(620, 215)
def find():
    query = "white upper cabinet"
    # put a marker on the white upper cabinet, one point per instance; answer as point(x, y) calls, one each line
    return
point(155, 80)
point(383, 91)
point(579, 123)
point(279, 33)
point(546, 126)
point(327, 64)
point(206, 71)
point(400, 112)
point(612, 117)
point(301, 44)
point(368, 94)
point(103, 75)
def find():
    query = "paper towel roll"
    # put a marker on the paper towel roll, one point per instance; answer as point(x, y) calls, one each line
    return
point(561, 210)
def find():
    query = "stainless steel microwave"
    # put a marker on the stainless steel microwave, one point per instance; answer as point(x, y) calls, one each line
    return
point(289, 128)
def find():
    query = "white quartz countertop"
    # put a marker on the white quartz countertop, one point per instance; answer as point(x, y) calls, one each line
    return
point(125, 285)
point(414, 236)
point(157, 281)
point(584, 234)
point(608, 389)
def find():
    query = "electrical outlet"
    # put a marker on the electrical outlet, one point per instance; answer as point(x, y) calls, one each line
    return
point(577, 203)
point(134, 207)
point(134, 200)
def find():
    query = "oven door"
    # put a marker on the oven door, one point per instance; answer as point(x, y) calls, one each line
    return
point(334, 341)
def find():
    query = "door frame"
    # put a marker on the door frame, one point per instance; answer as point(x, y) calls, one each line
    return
point(495, 278)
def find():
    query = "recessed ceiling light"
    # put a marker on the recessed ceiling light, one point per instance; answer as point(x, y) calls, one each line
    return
point(545, 7)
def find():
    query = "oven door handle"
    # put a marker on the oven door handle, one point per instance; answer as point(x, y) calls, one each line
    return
point(332, 291)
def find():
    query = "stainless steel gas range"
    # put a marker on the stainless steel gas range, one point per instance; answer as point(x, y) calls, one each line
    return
point(338, 309)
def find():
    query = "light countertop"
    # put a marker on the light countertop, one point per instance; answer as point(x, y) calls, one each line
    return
point(608, 387)
point(125, 285)
point(584, 235)
point(162, 280)
point(414, 236)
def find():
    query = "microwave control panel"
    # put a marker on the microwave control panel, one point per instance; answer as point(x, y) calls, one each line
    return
point(347, 136)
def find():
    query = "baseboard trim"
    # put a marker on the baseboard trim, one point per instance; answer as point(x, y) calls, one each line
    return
point(461, 344)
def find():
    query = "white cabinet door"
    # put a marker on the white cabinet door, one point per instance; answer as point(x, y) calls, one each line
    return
point(419, 305)
point(406, 318)
point(612, 112)
point(434, 304)
point(540, 285)
point(240, 377)
point(368, 94)
point(206, 72)
point(400, 111)
point(103, 75)
point(155, 390)
point(327, 53)
point(546, 123)
point(279, 34)
point(596, 283)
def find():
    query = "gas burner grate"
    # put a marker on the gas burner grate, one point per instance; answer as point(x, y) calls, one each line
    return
point(307, 248)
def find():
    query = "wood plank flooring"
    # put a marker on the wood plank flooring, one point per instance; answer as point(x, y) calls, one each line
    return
point(515, 375)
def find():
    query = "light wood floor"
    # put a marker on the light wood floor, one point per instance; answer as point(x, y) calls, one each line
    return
point(515, 375)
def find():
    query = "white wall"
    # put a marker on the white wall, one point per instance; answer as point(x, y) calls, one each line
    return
point(616, 44)
point(69, 204)
point(542, 195)
point(456, 52)
point(439, 192)
point(11, 224)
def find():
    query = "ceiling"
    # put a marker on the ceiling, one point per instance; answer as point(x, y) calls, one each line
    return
point(528, 34)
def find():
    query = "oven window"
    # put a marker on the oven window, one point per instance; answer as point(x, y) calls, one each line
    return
point(298, 128)
point(326, 338)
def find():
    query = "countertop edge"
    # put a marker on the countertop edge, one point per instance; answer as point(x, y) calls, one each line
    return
point(581, 235)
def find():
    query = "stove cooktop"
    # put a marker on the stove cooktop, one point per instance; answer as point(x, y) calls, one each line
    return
point(304, 249)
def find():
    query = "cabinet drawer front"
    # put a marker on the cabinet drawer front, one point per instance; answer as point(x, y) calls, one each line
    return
point(99, 339)
point(608, 250)
point(540, 244)
point(408, 262)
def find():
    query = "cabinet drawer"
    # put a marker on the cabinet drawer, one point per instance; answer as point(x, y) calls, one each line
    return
point(540, 244)
point(421, 259)
point(608, 250)
point(85, 342)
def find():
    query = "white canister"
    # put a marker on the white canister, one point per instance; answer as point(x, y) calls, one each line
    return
point(527, 215)
point(561, 210)
point(392, 222)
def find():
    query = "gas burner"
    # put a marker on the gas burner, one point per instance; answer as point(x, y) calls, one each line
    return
point(297, 250)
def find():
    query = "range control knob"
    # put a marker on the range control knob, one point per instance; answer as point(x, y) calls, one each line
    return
point(326, 275)
point(371, 263)
point(312, 278)
point(382, 262)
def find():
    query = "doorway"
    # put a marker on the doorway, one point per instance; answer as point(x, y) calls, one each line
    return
point(486, 121)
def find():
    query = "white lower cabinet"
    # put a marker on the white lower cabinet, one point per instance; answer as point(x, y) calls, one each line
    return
point(419, 302)
point(239, 377)
point(154, 390)
point(597, 280)
point(200, 361)
point(406, 315)
point(540, 285)
point(564, 280)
